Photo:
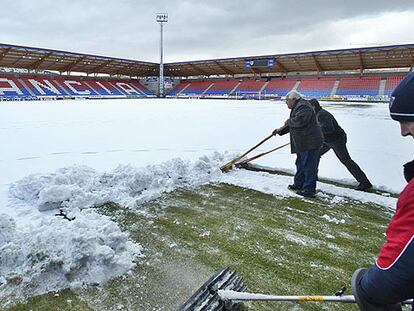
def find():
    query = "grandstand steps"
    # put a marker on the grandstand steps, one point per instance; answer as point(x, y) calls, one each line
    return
point(335, 87)
point(183, 89)
point(26, 87)
point(296, 85)
point(209, 87)
point(382, 87)
point(263, 87)
point(235, 88)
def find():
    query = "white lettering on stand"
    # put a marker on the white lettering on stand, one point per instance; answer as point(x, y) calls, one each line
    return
point(103, 87)
point(127, 88)
point(45, 84)
point(13, 87)
point(69, 83)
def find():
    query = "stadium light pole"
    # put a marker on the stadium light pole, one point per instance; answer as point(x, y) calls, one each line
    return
point(161, 19)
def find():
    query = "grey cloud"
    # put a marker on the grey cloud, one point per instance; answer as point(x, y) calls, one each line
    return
point(127, 28)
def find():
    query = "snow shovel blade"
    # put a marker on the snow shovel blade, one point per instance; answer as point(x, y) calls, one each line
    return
point(228, 166)
point(206, 297)
point(241, 165)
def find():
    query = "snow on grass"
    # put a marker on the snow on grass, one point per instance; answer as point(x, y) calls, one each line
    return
point(90, 248)
point(57, 254)
point(277, 185)
point(157, 148)
point(333, 219)
point(83, 247)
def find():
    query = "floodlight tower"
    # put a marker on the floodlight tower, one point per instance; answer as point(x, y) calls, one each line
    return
point(161, 18)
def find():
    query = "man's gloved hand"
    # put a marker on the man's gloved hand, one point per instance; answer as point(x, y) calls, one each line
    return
point(281, 130)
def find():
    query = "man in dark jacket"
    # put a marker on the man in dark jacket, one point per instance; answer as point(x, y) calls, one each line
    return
point(335, 139)
point(305, 140)
point(391, 279)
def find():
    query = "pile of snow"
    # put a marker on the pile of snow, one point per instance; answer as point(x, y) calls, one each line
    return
point(47, 252)
point(80, 187)
point(57, 254)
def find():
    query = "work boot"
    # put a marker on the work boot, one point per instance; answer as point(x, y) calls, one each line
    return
point(306, 194)
point(294, 187)
point(365, 185)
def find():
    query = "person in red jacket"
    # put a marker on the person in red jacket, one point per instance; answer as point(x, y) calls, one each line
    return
point(391, 279)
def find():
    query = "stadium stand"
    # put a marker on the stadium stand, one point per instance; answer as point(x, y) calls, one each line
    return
point(309, 86)
point(359, 86)
point(356, 74)
point(28, 86)
point(41, 86)
point(316, 87)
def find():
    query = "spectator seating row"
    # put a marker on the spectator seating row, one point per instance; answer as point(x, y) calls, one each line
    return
point(309, 86)
point(359, 86)
point(25, 86)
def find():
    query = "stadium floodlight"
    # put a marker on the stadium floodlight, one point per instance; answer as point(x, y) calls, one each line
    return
point(161, 19)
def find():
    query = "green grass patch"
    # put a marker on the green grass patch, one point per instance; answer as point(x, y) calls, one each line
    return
point(279, 246)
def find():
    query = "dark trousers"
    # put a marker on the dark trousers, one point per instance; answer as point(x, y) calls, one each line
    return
point(307, 170)
point(393, 285)
point(339, 147)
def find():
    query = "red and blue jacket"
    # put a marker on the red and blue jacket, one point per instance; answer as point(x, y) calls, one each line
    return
point(400, 232)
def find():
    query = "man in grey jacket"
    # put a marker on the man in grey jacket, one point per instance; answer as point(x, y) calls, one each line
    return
point(335, 139)
point(306, 140)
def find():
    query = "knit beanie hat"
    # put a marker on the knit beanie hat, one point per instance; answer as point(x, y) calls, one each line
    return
point(402, 100)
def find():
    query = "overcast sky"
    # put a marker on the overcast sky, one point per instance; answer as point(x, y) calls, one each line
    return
point(204, 29)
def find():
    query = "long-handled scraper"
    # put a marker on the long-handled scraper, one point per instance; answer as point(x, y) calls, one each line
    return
point(224, 292)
